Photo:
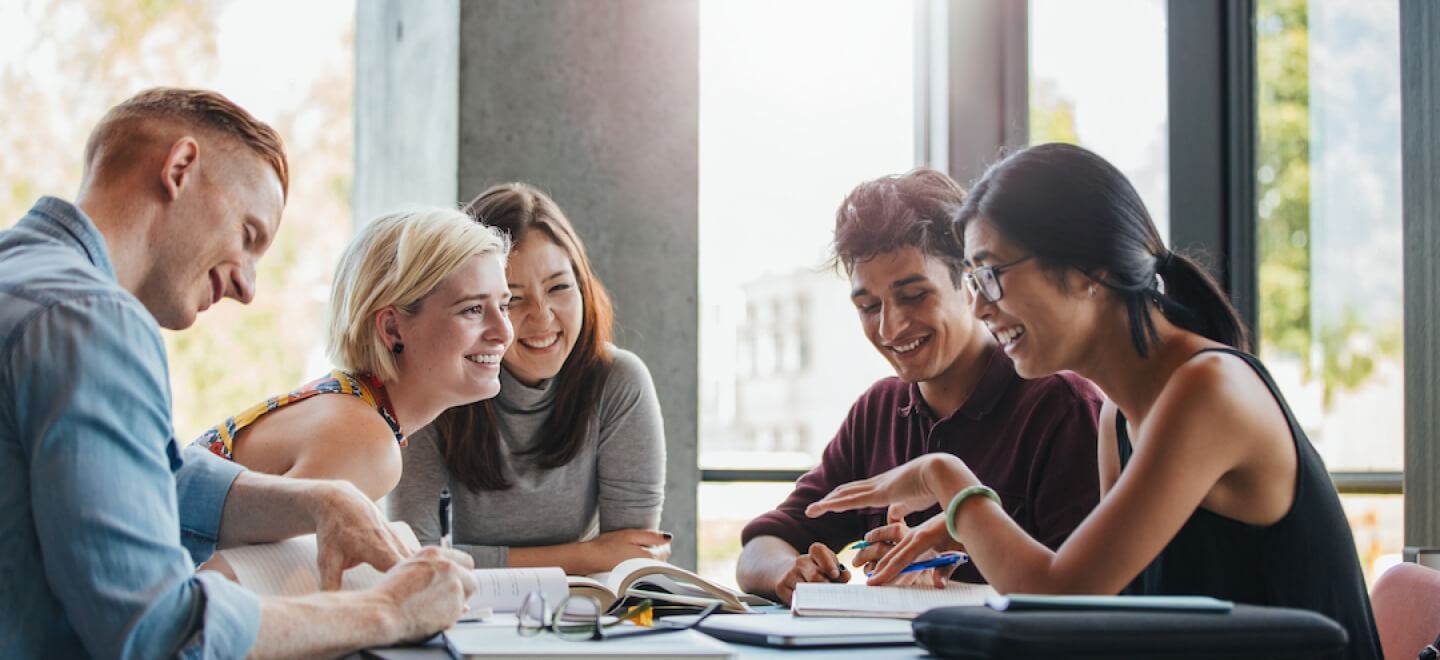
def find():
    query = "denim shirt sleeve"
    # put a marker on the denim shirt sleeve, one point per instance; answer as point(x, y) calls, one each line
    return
point(110, 491)
point(202, 482)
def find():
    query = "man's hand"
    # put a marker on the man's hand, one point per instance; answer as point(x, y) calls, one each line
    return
point(819, 565)
point(427, 592)
point(350, 530)
point(613, 547)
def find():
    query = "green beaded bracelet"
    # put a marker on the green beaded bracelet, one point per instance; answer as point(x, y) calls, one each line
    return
point(961, 497)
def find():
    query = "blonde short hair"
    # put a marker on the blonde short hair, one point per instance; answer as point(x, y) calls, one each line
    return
point(398, 259)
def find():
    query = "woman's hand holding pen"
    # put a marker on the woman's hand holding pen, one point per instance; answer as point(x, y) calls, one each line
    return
point(898, 545)
point(914, 486)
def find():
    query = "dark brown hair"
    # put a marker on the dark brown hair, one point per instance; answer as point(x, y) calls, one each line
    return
point(915, 209)
point(1073, 209)
point(470, 440)
point(114, 137)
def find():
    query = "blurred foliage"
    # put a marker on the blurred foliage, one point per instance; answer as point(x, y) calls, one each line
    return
point(83, 57)
point(1283, 186)
point(1342, 353)
point(1052, 117)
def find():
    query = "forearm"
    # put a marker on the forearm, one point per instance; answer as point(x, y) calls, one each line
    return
point(263, 508)
point(1005, 554)
point(763, 562)
point(324, 625)
point(569, 556)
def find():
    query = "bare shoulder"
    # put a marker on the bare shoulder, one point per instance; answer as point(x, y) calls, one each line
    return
point(1220, 399)
point(334, 436)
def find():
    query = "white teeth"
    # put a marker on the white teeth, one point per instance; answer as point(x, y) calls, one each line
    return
point(542, 343)
point(1009, 335)
point(485, 359)
point(906, 348)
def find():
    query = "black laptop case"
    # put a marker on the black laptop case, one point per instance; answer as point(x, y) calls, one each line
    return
point(1271, 633)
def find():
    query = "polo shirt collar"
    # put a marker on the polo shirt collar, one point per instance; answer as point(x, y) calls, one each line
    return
point(999, 374)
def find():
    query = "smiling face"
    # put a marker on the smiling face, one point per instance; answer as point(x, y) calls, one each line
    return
point(454, 343)
point(545, 307)
point(215, 230)
point(912, 312)
point(1043, 327)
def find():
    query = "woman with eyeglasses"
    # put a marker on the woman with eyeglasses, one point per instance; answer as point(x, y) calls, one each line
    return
point(1209, 485)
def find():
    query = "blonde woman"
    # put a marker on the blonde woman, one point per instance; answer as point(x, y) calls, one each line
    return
point(418, 324)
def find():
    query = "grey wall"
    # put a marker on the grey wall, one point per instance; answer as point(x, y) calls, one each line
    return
point(407, 82)
point(596, 103)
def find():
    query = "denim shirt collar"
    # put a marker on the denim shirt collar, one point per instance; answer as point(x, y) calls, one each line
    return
point(65, 222)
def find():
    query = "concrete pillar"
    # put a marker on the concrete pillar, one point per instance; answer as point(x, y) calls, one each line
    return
point(598, 104)
point(407, 108)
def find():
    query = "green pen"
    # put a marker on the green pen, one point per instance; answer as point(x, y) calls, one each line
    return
point(859, 545)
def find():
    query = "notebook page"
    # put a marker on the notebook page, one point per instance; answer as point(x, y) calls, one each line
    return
point(503, 589)
point(288, 568)
point(826, 599)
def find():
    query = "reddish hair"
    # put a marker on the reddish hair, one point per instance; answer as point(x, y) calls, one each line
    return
point(125, 126)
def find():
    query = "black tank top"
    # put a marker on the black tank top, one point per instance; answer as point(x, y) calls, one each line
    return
point(1305, 560)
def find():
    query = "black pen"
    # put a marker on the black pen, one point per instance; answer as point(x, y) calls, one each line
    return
point(445, 518)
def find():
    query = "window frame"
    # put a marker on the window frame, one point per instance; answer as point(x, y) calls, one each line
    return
point(1211, 65)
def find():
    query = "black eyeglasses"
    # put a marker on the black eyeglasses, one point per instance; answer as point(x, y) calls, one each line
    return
point(580, 618)
point(986, 279)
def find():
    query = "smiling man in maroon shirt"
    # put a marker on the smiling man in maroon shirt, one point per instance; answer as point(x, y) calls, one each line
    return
point(954, 391)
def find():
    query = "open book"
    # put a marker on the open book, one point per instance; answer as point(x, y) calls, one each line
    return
point(829, 599)
point(661, 582)
point(288, 568)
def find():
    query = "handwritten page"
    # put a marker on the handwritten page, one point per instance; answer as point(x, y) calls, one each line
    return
point(827, 599)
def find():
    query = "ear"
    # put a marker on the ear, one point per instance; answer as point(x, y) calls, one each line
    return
point(1079, 282)
point(387, 325)
point(181, 166)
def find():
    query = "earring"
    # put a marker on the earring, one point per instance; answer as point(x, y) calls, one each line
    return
point(1092, 290)
point(399, 346)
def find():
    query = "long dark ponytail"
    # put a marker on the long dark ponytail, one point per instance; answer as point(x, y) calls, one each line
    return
point(1073, 209)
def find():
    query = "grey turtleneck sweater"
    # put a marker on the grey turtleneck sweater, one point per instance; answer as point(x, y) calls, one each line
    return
point(617, 480)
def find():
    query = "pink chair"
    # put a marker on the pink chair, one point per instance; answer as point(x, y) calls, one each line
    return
point(1407, 609)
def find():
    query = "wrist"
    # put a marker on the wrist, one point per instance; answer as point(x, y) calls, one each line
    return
point(320, 498)
point(947, 475)
point(383, 615)
point(967, 496)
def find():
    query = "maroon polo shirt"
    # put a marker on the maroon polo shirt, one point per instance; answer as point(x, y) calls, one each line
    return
point(1033, 441)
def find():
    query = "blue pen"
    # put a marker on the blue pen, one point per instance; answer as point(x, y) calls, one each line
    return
point(945, 559)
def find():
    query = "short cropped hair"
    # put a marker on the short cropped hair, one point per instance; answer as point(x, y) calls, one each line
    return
point(398, 259)
point(915, 209)
point(115, 137)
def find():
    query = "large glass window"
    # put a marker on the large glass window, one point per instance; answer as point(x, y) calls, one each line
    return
point(1329, 235)
point(1098, 79)
point(799, 102)
point(64, 62)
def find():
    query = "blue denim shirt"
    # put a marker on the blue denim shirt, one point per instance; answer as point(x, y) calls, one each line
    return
point(102, 517)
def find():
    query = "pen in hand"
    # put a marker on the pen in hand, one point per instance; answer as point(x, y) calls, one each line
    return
point(943, 559)
point(445, 518)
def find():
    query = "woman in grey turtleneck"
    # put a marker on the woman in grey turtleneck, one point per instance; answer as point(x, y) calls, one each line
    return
point(566, 467)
